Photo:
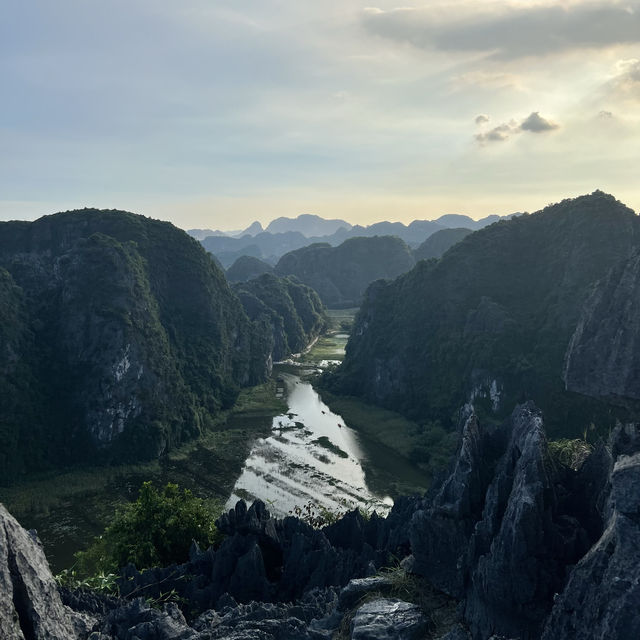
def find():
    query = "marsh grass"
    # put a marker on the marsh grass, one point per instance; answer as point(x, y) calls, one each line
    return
point(327, 347)
point(324, 442)
point(429, 445)
point(331, 345)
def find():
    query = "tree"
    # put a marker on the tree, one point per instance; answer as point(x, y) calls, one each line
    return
point(155, 530)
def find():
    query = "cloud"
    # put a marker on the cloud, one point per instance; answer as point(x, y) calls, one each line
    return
point(482, 119)
point(487, 79)
point(536, 123)
point(620, 94)
point(510, 31)
point(497, 134)
point(627, 83)
point(533, 123)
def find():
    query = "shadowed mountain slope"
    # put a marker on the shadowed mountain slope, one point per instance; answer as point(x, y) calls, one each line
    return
point(341, 274)
point(491, 321)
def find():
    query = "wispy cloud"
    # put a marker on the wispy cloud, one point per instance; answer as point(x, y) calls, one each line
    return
point(626, 84)
point(508, 30)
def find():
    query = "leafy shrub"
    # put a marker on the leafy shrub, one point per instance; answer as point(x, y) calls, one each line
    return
point(102, 582)
point(155, 530)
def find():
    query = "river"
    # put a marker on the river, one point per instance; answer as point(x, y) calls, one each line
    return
point(308, 455)
point(311, 456)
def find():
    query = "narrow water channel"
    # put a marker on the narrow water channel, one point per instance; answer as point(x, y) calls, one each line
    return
point(310, 456)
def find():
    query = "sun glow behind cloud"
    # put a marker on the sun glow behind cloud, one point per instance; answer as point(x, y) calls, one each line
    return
point(216, 114)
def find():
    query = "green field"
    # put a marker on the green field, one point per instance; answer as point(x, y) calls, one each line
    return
point(399, 453)
point(331, 345)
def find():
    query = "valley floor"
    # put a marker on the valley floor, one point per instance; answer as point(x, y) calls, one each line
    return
point(69, 508)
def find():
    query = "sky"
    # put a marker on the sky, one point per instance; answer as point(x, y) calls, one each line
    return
point(215, 113)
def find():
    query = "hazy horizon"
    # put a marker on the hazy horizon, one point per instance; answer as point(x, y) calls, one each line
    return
point(213, 115)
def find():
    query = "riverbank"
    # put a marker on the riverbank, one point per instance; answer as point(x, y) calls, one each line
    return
point(398, 457)
point(401, 457)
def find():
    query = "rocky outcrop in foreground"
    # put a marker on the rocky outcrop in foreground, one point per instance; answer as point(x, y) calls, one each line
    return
point(510, 544)
point(30, 605)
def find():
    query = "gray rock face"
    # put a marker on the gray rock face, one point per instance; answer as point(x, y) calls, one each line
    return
point(602, 596)
point(456, 634)
point(387, 619)
point(529, 548)
point(270, 621)
point(513, 565)
point(30, 605)
point(360, 587)
point(138, 621)
point(603, 357)
point(499, 534)
point(440, 533)
point(268, 560)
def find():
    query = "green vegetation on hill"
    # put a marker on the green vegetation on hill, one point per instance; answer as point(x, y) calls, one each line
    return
point(341, 274)
point(290, 313)
point(119, 339)
point(491, 320)
point(436, 245)
point(246, 268)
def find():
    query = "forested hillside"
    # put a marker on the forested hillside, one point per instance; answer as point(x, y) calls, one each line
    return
point(341, 274)
point(246, 268)
point(435, 245)
point(289, 311)
point(119, 337)
point(493, 319)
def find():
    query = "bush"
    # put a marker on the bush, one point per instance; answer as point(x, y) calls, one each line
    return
point(569, 453)
point(155, 530)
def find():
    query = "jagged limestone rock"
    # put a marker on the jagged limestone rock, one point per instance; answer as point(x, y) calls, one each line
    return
point(505, 523)
point(603, 356)
point(514, 568)
point(388, 619)
point(440, 533)
point(602, 596)
point(30, 605)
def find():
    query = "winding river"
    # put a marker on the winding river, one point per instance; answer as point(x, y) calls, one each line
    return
point(311, 456)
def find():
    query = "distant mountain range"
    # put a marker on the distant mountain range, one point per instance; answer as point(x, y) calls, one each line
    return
point(288, 234)
point(341, 274)
point(307, 224)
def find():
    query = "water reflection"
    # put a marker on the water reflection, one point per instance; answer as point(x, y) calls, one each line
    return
point(311, 455)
